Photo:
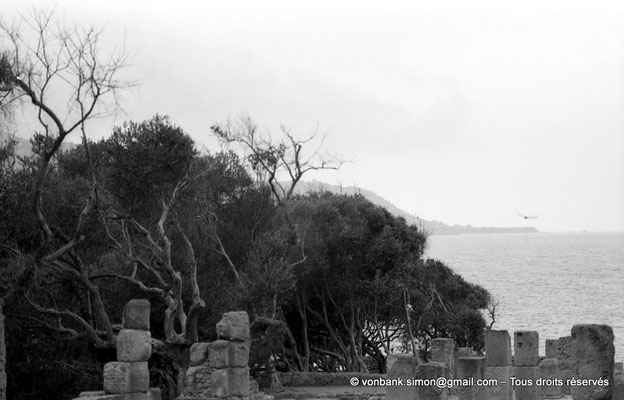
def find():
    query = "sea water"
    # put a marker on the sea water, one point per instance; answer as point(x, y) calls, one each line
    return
point(545, 282)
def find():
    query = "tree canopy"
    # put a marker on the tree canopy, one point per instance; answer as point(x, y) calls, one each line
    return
point(332, 282)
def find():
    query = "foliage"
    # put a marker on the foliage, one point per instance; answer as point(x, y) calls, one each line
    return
point(143, 213)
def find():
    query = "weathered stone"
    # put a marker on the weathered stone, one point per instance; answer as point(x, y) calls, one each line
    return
point(134, 345)
point(432, 371)
point(551, 348)
point(565, 352)
point(443, 350)
point(401, 366)
point(136, 315)
point(503, 390)
point(471, 368)
point(198, 381)
point(238, 354)
point(199, 353)
point(593, 355)
point(526, 387)
point(229, 382)
point(225, 353)
point(465, 352)
point(238, 379)
point(139, 376)
point(566, 375)
point(92, 393)
point(234, 326)
point(117, 377)
point(125, 377)
point(497, 348)
point(218, 354)
point(618, 390)
point(155, 393)
point(219, 386)
point(152, 394)
point(526, 349)
point(391, 358)
point(549, 379)
point(618, 369)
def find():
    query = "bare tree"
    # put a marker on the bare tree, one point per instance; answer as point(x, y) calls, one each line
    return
point(153, 255)
point(492, 305)
point(280, 163)
point(59, 75)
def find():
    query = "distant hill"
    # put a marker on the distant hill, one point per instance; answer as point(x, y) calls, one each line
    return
point(435, 227)
point(24, 148)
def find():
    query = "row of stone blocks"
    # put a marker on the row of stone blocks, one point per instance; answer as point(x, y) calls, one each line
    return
point(220, 369)
point(589, 352)
point(128, 377)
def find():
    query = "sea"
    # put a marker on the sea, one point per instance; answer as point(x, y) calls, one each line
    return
point(544, 282)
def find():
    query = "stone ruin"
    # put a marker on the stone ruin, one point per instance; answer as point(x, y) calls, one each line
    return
point(219, 369)
point(128, 377)
point(587, 354)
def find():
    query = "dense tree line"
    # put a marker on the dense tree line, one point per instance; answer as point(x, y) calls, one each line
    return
point(331, 282)
point(195, 234)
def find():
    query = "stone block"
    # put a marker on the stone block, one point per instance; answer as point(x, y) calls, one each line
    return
point(391, 359)
point(92, 393)
point(197, 381)
point(218, 356)
point(199, 353)
point(228, 382)
point(125, 377)
point(401, 366)
point(224, 353)
point(219, 386)
point(566, 375)
point(136, 315)
point(152, 394)
point(471, 368)
point(618, 390)
point(155, 393)
point(551, 348)
point(134, 345)
point(497, 348)
point(443, 350)
point(234, 326)
point(550, 387)
point(466, 352)
point(139, 376)
point(593, 359)
point(432, 371)
point(526, 349)
point(618, 369)
point(503, 390)
point(525, 387)
point(565, 352)
point(238, 354)
point(238, 379)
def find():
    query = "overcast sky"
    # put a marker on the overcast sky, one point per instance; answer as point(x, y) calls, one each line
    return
point(464, 112)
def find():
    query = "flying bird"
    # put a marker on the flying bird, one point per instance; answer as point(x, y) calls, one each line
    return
point(526, 216)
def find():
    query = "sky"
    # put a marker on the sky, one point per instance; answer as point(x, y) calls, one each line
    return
point(462, 112)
